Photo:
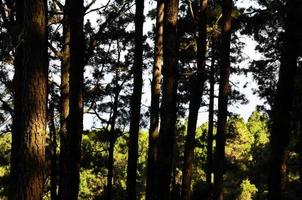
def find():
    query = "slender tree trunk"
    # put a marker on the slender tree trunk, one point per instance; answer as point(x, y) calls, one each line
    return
point(70, 180)
point(197, 87)
point(211, 123)
point(53, 148)
point(135, 101)
point(283, 103)
point(64, 102)
point(223, 99)
point(112, 138)
point(168, 106)
point(30, 96)
point(110, 166)
point(154, 110)
point(300, 152)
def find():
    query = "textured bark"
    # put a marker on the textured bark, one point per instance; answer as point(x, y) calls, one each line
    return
point(70, 184)
point(223, 100)
point(283, 102)
point(30, 100)
point(168, 106)
point(135, 100)
point(211, 123)
point(154, 110)
point(196, 91)
point(64, 101)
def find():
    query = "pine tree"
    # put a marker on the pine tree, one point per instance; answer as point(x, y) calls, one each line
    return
point(30, 102)
point(219, 162)
point(198, 80)
point(135, 104)
point(168, 105)
point(154, 109)
point(283, 102)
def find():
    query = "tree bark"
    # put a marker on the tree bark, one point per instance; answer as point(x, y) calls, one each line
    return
point(154, 110)
point(30, 100)
point(168, 106)
point(223, 99)
point(135, 100)
point(197, 88)
point(64, 101)
point(209, 167)
point(70, 182)
point(283, 103)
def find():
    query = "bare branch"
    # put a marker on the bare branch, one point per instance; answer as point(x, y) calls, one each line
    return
point(59, 54)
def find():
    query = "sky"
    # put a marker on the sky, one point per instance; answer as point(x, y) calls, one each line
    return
point(239, 80)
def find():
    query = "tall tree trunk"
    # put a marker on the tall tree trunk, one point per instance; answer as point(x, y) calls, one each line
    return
point(196, 91)
point(30, 97)
point(283, 102)
point(74, 124)
point(209, 167)
point(300, 151)
point(135, 100)
point(53, 146)
point(154, 110)
point(168, 106)
point(64, 102)
point(112, 138)
point(110, 166)
point(223, 99)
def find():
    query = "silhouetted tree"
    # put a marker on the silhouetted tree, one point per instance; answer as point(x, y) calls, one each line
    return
point(196, 92)
point(70, 189)
point(283, 102)
point(135, 103)
point(219, 162)
point(168, 105)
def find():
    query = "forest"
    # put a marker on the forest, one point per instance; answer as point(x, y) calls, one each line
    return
point(106, 100)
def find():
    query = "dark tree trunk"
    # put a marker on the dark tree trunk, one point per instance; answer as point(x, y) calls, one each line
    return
point(110, 166)
point(283, 102)
point(168, 106)
point(112, 139)
point(223, 99)
point(209, 167)
point(197, 87)
point(70, 182)
point(154, 110)
point(64, 102)
point(30, 100)
point(300, 152)
point(135, 101)
point(53, 147)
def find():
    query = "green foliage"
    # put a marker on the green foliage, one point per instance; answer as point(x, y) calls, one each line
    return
point(91, 185)
point(247, 190)
point(5, 144)
point(258, 126)
point(239, 140)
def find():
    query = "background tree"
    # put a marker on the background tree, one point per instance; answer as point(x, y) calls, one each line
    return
point(195, 98)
